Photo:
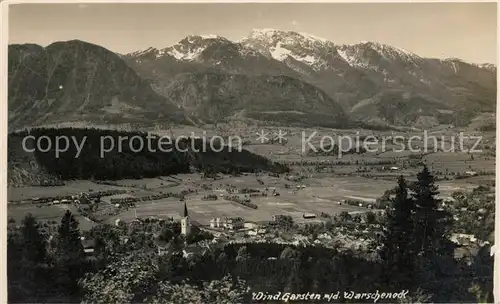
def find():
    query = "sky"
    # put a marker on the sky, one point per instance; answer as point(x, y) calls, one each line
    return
point(438, 30)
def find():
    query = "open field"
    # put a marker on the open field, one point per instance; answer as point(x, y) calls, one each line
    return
point(47, 214)
point(321, 194)
point(203, 211)
point(71, 188)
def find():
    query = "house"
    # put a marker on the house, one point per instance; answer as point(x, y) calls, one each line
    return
point(88, 245)
point(252, 232)
point(471, 173)
point(234, 223)
point(309, 215)
point(277, 217)
point(462, 238)
point(394, 168)
point(325, 236)
point(216, 223)
point(251, 225)
point(233, 190)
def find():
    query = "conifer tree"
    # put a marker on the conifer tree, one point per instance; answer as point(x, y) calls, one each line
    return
point(430, 222)
point(69, 252)
point(396, 251)
point(33, 242)
point(69, 244)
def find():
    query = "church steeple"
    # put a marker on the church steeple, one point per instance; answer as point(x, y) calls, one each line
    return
point(185, 223)
point(185, 210)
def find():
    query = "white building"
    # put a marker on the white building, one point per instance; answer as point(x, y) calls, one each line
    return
point(234, 223)
point(185, 223)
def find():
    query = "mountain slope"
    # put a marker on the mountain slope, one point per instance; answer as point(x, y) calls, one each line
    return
point(75, 81)
point(399, 107)
point(215, 97)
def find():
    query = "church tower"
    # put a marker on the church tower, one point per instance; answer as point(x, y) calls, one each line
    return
point(185, 224)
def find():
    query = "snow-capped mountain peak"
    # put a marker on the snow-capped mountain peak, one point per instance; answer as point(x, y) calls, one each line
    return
point(142, 52)
point(282, 45)
point(273, 36)
point(299, 51)
point(190, 48)
point(369, 55)
point(312, 37)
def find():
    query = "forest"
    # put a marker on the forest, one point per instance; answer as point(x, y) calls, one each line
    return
point(128, 162)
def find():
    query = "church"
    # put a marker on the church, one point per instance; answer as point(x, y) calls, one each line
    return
point(185, 222)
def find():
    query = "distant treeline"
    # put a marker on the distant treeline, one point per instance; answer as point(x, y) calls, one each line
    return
point(128, 162)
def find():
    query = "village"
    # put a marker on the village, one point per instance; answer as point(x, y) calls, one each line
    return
point(353, 227)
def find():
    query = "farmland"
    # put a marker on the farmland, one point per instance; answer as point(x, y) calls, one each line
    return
point(317, 183)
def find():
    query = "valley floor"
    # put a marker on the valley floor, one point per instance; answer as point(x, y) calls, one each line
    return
point(316, 184)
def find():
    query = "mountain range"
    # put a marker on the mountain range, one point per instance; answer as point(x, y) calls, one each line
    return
point(270, 75)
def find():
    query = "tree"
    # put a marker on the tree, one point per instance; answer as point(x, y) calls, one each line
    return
point(397, 251)
point(172, 267)
point(344, 216)
point(292, 259)
point(126, 280)
point(69, 252)
point(243, 254)
point(284, 222)
point(33, 242)
point(289, 254)
point(69, 246)
point(371, 218)
point(431, 224)
point(107, 240)
point(227, 290)
point(242, 261)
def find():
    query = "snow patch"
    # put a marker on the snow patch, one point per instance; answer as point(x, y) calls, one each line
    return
point(160, 53)
point(454, 66)
point(209, 36)
point(188, 56)
point(175, 53)
point(280, 53)
point(347, 58)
